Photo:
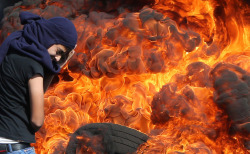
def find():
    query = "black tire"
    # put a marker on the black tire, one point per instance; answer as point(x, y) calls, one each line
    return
point(115, 139)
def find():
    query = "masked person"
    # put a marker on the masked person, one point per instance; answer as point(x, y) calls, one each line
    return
point(27, 59)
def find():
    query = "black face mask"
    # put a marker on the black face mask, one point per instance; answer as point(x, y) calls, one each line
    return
point(63, 58)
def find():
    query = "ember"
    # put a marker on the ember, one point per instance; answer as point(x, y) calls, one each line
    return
point(176, 70)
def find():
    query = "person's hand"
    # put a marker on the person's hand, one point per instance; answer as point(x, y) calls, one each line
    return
point(71, 53)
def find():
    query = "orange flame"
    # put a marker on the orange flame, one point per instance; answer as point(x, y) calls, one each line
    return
point(150, 70)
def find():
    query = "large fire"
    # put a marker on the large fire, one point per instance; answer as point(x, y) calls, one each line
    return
point(177, 70)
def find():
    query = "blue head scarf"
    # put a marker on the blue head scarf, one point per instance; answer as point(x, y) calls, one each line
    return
point(38, 35)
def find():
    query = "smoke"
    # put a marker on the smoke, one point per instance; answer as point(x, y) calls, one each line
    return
point(232, 94)
point(4, 4)
point(130, 44)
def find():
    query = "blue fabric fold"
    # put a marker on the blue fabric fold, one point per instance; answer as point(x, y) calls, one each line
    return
point(37, 36)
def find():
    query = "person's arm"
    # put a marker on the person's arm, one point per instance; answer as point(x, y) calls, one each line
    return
point(36, 101)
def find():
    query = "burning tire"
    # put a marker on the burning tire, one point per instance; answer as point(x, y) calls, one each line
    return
point(105, 138)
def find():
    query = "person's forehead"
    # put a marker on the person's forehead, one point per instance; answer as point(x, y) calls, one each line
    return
point(61, 47)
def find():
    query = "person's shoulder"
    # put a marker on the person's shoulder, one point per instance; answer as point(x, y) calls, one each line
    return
point(23, 59)
point(24, 62)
